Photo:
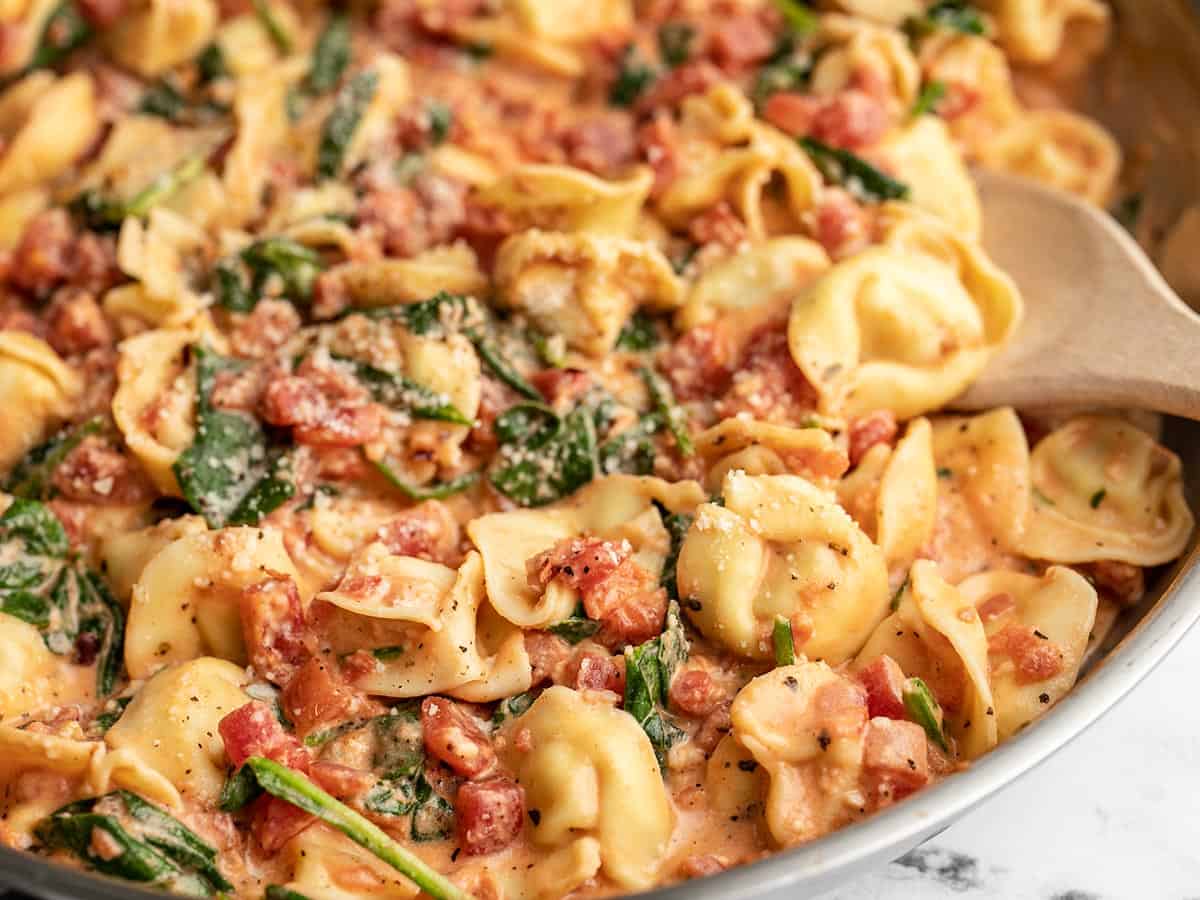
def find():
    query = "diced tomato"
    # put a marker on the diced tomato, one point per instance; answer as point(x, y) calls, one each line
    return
point(1035, 656)
point(895, 759)
point(561, 387)
point(690, 78)
point(601, 144)
point(996, 606)
point(792, 112)
point(274, 822)
point(428, 530)
point(699, 364)
point(549, 655)
point(884, 682)
point(768, 384)
point(317, 695)
point(719, 225)
point(695, 694)
point(1121, 581)
point(489, 815)
point(274, 631)
point(878, 427)
point(456, 738)
point(591, 671)
point(843, 226)
point(741, 41)
point(254, 730)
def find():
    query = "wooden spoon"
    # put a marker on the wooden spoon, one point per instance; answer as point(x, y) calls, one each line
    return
point(1101, 327)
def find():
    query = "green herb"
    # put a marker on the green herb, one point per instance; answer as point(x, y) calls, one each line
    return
point(164, 853)
point(633, 77)
point(40, 583)
point(239, 790)
point(782, 77)
point(278, 34)
point(31, 476)
point(799, 16)
point(784, 642)
point(437, 491)
point(546, 465)
point(649, 668)
point(431, 818)
point(550, 351)
point(241, 280)
point(389, 654)
point(953, 15)
point(932, 93)
point(923, 709)
point(1098, 498)
point(337, 133)
point(441, 120)
point(576, 627)
point(531, 424)
point(672, 415)
point(400, 392)
point(899, 595)
point(296, 789)
point(211, 63)
point(330, 56)
point(279, 892)
point(675, 41)
point(854, 173)
point(1042, 498)
point(677, 525)
point(512, 707)
point(683, 259)
point(638, 334)
point(503, 369)
point(229, 474)
point(479, 51)
point(107, 720)
point(164, 100)
point(632, 450)
point(945, 472)
point(65, 31)
point(100, 213)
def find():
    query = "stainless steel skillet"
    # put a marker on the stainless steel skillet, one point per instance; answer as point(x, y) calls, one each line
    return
point(1147, 93)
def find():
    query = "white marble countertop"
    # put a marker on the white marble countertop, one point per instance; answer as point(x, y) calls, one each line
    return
point(1114, 816)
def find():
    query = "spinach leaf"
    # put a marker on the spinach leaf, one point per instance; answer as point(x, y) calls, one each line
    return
point(164, 100)
point(441, 120)
point(512, 708)
point(330, 56)
point(240, 281)
point(109, 717)
point(649, 668)
point(551, 465)
point(529, 424)
point(638, 334)
point(66, 29)
point(1128, 210)
point(576, 627)
point(932, 93)
point(400, 392)
point(675, 41)
point(854, 173)
point(278, 34)
point(164, 852)
point(337, 133)
point(800, 17)
point(437, 491)
point(99, 212)
point(279, 892)
point(922, 707)
point(30, 477)
point(41, 584)
point(551, 350)
point(631, 450)
point(490, 353)
point(677, 525)
point(239, 790)
point(230, 474)
point(211, 63)
point(403, 789)
point(668, 411)
point(784, 642)
point(633, 77)
point(954, 15)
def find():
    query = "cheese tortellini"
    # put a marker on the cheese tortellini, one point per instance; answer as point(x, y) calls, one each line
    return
point(37, 387)
point(1104, 489)
point(780, 546)
point(46, 123)
point(560, 198)
point(586, 760)
point(903, 330)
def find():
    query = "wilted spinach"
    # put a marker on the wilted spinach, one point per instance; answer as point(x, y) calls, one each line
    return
point(31, 476)
point(649, 668)
point(543, 458)
point(100, 212)
point(854, 173)
point(338, 131)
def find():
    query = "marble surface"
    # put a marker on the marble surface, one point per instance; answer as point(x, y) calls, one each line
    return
point(1113, 816)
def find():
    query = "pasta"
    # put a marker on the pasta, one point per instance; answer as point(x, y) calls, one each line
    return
point(507, 449)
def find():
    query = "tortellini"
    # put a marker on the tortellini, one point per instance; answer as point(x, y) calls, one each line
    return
point(385, 282)
point(753, 286)
point(125, 554)
point(190, 699)
point(1056, 612)
point(328, 865)
point(976, 74)
point(422, 613)
point(46, 123)
point(156, 255)
point(618, 507)
point(851, 47)
point(186, 601)
point(31, 677)
point(37, 388)
point(583, 286)
point(585, 763)
point(1033, 30)
point(572, 21)
point(936, 634)
point(924, 156)
point(159, 34)
point(763, 448)
point(780, 546)
point(1058, 148)
point(1104, 489)
point(805, 725)
point(154, 405)
point(893, 495)
point(561, 198)
point(905, 326)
